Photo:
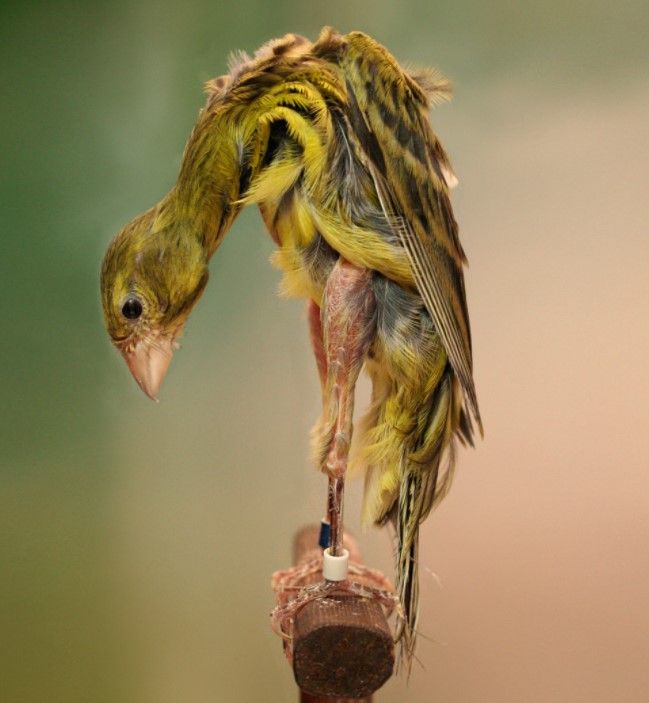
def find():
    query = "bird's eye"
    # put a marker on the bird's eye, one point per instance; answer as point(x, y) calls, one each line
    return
point(132, 309)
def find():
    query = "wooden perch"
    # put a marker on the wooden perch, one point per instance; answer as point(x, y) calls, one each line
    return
point(343, 648)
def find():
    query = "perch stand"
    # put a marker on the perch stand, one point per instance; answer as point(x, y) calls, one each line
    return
point(342, 647)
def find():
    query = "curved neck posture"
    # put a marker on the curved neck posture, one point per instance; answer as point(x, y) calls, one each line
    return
point(210, 179)
point(252, 143)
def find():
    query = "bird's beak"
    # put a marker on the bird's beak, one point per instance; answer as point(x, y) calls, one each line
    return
point(148, 361)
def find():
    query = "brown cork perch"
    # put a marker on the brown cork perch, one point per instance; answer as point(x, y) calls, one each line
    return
point(343, 648)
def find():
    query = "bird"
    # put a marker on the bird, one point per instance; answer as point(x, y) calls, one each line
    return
point(332, 140)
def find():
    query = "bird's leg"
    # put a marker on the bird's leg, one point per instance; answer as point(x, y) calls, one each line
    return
point(348, 323)
point(317, 342)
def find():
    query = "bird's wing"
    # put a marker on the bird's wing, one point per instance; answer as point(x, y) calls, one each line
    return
point(388, 112)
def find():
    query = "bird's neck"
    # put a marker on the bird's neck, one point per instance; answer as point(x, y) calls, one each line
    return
point(234, 145)
point(212, 177)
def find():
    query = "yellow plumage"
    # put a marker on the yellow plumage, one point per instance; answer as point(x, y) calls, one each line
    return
point(332, 141)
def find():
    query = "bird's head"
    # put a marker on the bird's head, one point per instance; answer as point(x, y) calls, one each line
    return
point(152, 275)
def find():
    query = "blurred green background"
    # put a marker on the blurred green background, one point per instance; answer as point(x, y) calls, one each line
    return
point(137, 540)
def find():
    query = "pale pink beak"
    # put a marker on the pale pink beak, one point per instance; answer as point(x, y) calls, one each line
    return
point(148, 361)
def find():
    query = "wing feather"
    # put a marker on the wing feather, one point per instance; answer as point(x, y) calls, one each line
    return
point(388, 113)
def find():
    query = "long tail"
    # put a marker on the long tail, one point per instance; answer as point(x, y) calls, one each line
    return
point(417, 495)
point(426, 478)
point(407, 453)
point(407, 571)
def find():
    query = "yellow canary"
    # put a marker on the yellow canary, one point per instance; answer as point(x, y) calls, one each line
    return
point(333, 141)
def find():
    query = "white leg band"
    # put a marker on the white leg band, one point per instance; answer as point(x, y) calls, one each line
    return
point(335, 568)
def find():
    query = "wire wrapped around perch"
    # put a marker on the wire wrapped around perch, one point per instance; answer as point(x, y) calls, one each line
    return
point(295, 588)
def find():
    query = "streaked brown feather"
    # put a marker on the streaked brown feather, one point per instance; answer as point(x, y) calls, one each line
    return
point(413, 191)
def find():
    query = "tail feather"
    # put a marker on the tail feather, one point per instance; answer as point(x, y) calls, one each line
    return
point(417, 495)
point(407, 566)
point(407, 453)
point(417, 472)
